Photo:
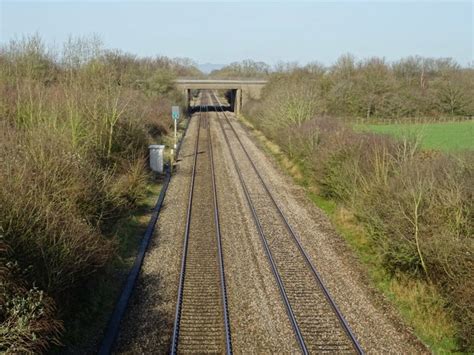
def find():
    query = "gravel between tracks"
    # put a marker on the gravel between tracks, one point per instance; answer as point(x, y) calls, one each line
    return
point(373, 320)
point(318, 324)
point(259, 322)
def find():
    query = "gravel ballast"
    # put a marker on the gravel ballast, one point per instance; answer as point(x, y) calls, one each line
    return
point(258, 318)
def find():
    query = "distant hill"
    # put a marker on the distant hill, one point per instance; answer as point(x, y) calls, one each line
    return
point(206, 68)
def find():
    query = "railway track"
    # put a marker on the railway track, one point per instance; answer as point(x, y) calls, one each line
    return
point(201, 322)
point(316, 320)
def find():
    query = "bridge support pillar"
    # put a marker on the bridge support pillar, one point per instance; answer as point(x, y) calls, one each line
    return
point(235, 100)
point(238, 101)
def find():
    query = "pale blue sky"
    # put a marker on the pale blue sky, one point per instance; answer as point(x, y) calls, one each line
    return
point(222, 32)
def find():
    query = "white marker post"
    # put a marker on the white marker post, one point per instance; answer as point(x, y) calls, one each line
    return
point(175, 116)
point(175, 135)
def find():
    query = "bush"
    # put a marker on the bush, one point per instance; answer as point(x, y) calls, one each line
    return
point(49, 190)
point(27, 316)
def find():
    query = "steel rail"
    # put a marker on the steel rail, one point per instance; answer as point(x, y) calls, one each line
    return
point(273, 266)
point(293, 233)
point(176, 327)
point(219, 244)
point(179, 303)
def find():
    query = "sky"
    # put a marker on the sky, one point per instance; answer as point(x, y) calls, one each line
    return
point(223, 32)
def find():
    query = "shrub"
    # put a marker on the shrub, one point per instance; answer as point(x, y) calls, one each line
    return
point(27, 321)
point(49, 190)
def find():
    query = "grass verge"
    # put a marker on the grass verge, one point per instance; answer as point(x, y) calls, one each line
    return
point(445, 136)
point(420, 305)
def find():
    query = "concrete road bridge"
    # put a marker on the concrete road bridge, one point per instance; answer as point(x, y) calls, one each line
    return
point(240, 90)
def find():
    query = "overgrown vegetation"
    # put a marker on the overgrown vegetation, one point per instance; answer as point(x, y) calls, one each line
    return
point(411, 87)
point(416, 206)
point(74, 130)
point(247, 69)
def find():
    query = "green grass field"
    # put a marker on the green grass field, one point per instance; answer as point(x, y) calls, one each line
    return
point(451, 136)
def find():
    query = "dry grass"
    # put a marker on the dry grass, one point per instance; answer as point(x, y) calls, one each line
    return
point(426, 311)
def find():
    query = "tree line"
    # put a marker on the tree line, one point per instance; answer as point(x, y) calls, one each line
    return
point(373, 87)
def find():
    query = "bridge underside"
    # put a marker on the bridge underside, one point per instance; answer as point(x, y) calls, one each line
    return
point(239, 91)
point(234, 96)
